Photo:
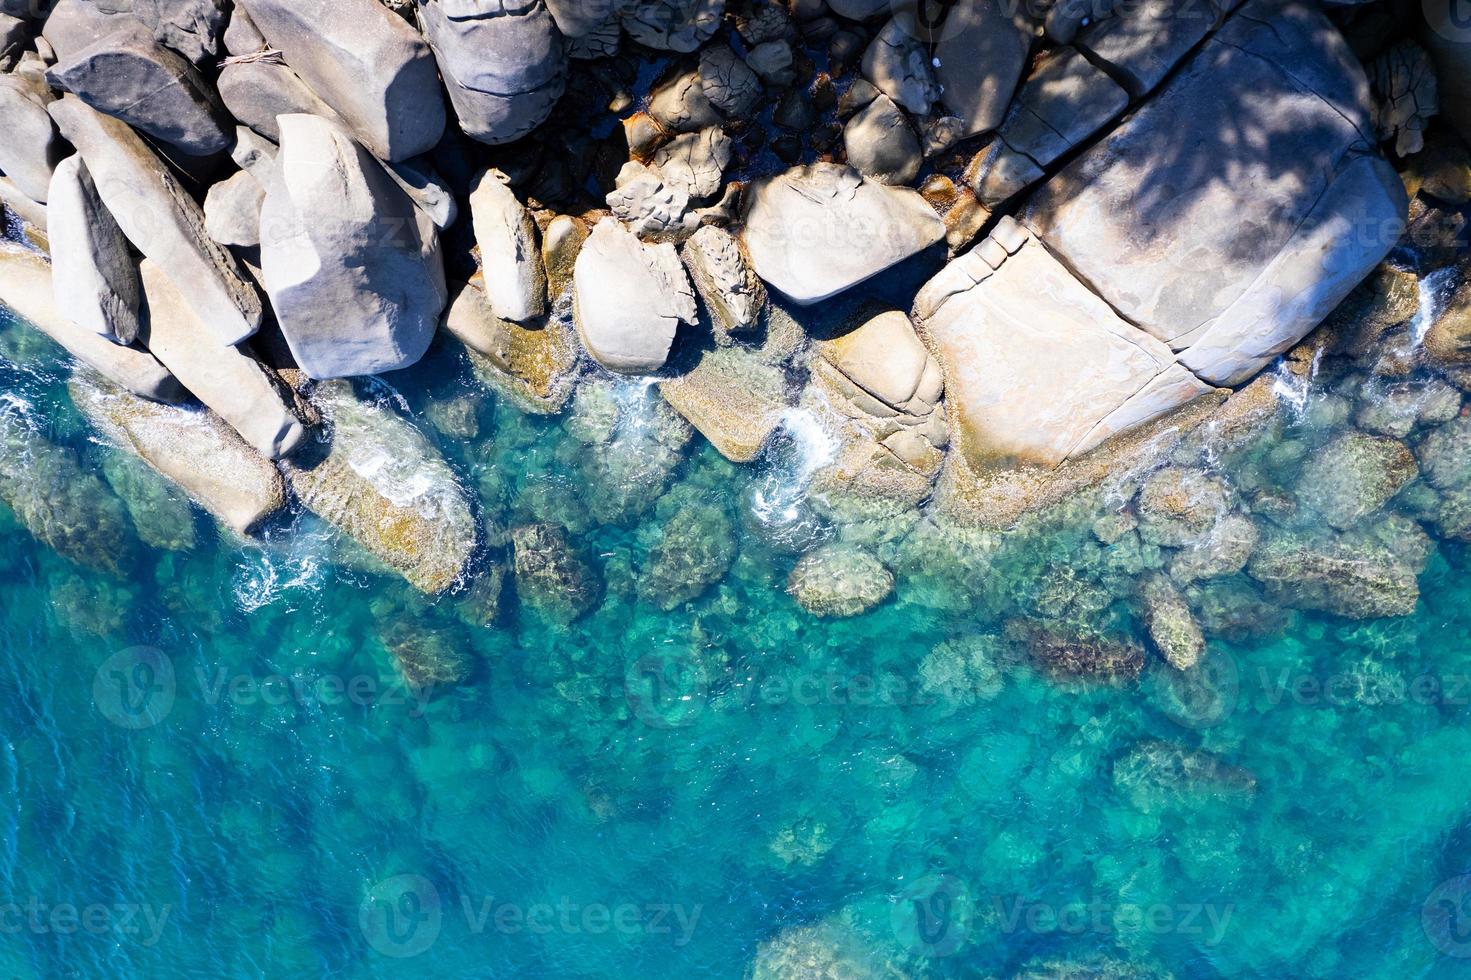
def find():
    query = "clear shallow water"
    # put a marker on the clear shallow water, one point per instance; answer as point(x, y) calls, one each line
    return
point(210, 767)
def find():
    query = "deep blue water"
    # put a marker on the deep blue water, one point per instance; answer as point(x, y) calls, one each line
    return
point(209, 765)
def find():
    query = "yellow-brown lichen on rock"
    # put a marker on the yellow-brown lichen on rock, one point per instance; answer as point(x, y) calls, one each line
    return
point(375, 477)
point(534, 367)
point(734, 399)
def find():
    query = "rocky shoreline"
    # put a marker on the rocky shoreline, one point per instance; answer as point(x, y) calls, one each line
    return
point(1018, 267)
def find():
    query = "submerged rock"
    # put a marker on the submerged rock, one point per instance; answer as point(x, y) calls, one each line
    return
point(1171, 625)
point(1354, 476)
point(1179, 506)
point(64, 506)
point(694, 550)
point(374, 70)
point(1085, 657)
point(839, 581)
point(375, 477)
point(733, 398)
point(191, 447)
point(352, 266)
point(1158, 775)
point(162, 518)
point(550, 577)
point(1348, 574)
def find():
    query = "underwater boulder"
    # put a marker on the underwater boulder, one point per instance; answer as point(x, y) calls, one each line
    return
point(1354, 475)
point(693, 551)
point(550, 576)
point(839, 581)
point(1350, 574)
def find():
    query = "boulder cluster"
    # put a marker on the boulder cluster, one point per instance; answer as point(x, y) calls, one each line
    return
point(969, 241)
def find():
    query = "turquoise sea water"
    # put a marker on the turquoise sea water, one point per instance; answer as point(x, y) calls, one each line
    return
point(210, 768)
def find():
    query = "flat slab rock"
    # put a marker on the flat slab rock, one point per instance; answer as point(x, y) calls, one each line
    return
point(1038, 369)
point(1231, 245)
point(819, 230)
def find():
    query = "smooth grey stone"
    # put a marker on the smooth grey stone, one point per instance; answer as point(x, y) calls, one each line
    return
point(232, 210)
point(630, 299)
point(96, 276)
point(881, 143)
point(191, 27)
point(31, 147)
point(256, 92)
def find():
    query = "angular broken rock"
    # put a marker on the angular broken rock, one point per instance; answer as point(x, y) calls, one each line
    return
point(653, 206)
point(515, 279)
point(374, 70)
point(881, 144)
point(1038, 369)
point(352, 266)
point(231, 383)
point(417, 179)
point(1256, 240)
point(503, 62)
point(95, 276)
point(818, 230)
point(728, 83)
point(256, 92)
point(733, 293)
point(26, 290)
point(630, 298)
point(375, 478)
point(31, 148)
point(1140, 44)
point(130, 76)
point(899, 65)
point(672, 25)
point(681, 106)
point(191, 27)
point(190, 446)
point(232, 210)
point(161, 219)
point(697, 160)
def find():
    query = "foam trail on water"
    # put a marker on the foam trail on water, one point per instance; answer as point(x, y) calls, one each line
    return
point(807, 446)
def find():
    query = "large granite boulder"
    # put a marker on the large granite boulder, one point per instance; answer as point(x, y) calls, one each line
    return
point(373, 69)
point(74, 24)
point(26, 289)
point(190, 446)
point(130, 76)
point(1140, 43)
point(502, 60)
point(818, 230)
point(193, 28)
point(881, 144)
point(352, 266)
point(95, 276)
point(630, 299)
point(376, 478)
point(980, 50)
point(161, 219)
point(1038, 369)
point(1231, 245)
point(515, 279)
point(234, 385)
point(256, 92)
point(32, 147)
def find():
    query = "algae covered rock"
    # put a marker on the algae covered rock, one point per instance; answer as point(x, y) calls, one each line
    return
point(1157, 775)
point(839, 581)
point(733, 398)
point(1171, 625)
point(65, 507)
point(535, 367)
point(693, 551)
point(1354, 476)
point(162, 517)
point(376, 478)
point(1178, 505)
point(962, 671)
point(550, 576)
point(1348, 574)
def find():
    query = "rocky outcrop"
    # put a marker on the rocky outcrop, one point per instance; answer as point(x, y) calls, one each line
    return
point(816, 231)
point(732, 292)
point(94, 275)
point(839, 581)
point(161, 219)
point(130, 76)
point(734, 398)
point(26, 288)
point(630, 299)
point(256, 92)
point(510, 259)
point(502, 60)
point(1140, 44)
point(1406, 96)
point(533, 367)
point(352, 266)
point(236, 387)
point(374, 70)
point(374, 477)
point(32, 147)
point(1230, 279)
point(1038, 368)
point(193, 448)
